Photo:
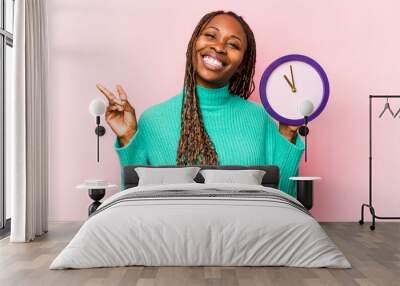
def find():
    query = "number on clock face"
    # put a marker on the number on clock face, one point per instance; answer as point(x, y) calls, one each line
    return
point(288, 82)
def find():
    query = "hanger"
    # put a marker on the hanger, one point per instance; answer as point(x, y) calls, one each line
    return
point(387, 106)
point(398, 111)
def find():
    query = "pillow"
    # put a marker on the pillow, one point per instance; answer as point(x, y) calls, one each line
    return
point(248, 176)
point(162, 176)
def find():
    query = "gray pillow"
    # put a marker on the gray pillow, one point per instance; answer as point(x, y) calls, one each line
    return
point(162, 176)
point(249, 176)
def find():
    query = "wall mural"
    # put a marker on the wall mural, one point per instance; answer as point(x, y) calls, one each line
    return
point(211, 121)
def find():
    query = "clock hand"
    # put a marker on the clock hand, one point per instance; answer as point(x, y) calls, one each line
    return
point(291, 72)
point(288, 81)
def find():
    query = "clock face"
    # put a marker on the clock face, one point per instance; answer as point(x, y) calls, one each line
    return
point(289, 82)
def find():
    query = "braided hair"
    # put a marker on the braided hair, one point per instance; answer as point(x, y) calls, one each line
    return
point(195, 146)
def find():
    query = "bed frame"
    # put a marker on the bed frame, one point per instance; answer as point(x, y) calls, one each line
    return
point(270, 179)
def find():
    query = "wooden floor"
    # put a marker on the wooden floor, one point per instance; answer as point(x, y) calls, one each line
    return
point(374, 255)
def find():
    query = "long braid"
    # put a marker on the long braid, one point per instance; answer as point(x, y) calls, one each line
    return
point(195, 146)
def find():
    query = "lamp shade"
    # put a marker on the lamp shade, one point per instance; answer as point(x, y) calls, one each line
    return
point(97, 107)
point(306, 108)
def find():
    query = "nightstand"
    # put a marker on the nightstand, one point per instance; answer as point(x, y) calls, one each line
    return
point(96, 190)
point(305, 190)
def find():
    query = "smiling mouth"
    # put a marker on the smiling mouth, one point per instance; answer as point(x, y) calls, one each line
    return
point(212, 63)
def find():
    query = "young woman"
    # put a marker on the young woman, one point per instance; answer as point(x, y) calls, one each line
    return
point(210, 122)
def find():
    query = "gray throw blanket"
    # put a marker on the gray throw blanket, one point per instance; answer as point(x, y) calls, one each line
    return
point(206, 194)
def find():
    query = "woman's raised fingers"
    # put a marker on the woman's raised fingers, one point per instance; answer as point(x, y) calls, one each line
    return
point(110, 96)
point(105, 91)
point(124, 98)
point(115, 107)
point(121, 92)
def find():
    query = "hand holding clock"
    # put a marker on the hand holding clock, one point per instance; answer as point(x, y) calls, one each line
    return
point(288, 131)
point(294, 108)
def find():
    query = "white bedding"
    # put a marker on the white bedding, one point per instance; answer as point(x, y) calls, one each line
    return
point(182, 231)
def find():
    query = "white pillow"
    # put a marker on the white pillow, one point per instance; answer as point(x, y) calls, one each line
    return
point(249, 176)
point(162, 176)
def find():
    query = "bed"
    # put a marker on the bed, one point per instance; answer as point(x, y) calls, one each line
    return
point(199, 224)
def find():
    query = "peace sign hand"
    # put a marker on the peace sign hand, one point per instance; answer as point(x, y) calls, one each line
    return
point(120, 115)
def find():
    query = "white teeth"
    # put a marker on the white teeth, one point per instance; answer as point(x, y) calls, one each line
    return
point(212, 61)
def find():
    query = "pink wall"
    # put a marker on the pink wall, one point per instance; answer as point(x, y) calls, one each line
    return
point(142, 46)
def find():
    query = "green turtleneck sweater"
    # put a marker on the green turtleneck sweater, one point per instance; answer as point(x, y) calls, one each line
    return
point(241, 130)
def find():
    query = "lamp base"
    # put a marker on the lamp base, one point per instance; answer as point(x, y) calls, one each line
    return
point(303, 130)
point(96, 195)
point(100, 130)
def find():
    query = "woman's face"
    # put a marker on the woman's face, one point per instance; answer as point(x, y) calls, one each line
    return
point(218, 51)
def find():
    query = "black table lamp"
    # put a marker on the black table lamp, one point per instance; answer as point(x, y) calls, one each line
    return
point(97, 108)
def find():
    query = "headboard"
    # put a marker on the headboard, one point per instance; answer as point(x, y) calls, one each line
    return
point(270, 179)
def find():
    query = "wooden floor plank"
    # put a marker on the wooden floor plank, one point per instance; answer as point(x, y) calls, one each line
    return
point(374, 255)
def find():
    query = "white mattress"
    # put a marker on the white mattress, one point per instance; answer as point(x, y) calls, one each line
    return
point(202, 231)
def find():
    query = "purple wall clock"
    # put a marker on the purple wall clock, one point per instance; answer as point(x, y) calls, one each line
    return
point(288, 82)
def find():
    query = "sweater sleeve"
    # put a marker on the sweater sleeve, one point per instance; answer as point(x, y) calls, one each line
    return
point(285, 155)
point(135, 152)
